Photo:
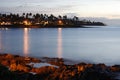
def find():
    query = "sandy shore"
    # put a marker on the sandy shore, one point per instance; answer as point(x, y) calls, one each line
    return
point(15, 67)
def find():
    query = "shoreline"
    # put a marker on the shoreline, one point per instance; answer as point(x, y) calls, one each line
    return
point(46, 68)
point(48, 26)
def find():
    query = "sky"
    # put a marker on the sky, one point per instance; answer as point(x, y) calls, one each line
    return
point(81, 8)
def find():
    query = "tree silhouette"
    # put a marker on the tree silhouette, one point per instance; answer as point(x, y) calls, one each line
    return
point(42, 19)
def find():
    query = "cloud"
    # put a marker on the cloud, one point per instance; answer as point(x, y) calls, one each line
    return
point(115, 16)
point(60, 9)
point(44, 6)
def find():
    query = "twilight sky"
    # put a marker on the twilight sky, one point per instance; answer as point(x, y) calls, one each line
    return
point(82, 8)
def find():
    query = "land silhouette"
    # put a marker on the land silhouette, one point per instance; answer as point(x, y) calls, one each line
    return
point(43, 21)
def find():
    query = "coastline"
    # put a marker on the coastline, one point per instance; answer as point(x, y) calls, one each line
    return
point(49, 26)
point(29, 20)
point(52, 69)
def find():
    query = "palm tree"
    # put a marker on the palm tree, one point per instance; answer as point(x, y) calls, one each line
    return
point(45, 16)
point(23, 15)
point(66, 21)
point(27, 15)
point(30, 14)
point(75, 18)
point(60, 17)
point(65, 17)
point(51, 17)
point(36, 17)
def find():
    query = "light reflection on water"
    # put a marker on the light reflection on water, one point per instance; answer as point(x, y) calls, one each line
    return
point(59, 52)
point(90, 44)
point(26, 42)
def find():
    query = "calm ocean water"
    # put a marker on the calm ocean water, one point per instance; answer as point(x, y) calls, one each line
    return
point(96, 45)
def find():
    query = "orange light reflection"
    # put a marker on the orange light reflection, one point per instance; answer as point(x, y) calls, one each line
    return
point(59, 48)
point(26, 42)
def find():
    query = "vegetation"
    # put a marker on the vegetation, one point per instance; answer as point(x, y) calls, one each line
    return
point(42, 20)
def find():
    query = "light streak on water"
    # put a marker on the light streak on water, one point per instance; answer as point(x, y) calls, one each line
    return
point(59, 49)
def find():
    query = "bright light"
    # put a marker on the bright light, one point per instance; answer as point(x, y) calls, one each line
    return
point(60, 22)
point(46, 22)
point(26, 22)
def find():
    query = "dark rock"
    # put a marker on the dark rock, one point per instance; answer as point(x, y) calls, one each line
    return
point(94, 74)
point(115, 68)
point(19, 69)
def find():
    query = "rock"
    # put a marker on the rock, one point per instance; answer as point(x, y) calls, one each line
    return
point(34, 60)
point(93, 74)
point(5, 63)
point(115, 68)
point(12, 61)
point(44, 70)
point(81, 68)
point(13, 67)
point(19, 69)
point(23, 68)
point(9, 56)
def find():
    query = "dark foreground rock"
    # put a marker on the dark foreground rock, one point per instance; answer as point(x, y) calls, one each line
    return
point(14, 67)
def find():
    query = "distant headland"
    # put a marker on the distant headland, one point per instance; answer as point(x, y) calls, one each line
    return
point(37, 20)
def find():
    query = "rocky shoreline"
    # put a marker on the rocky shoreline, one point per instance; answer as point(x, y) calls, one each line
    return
point(15, 67)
